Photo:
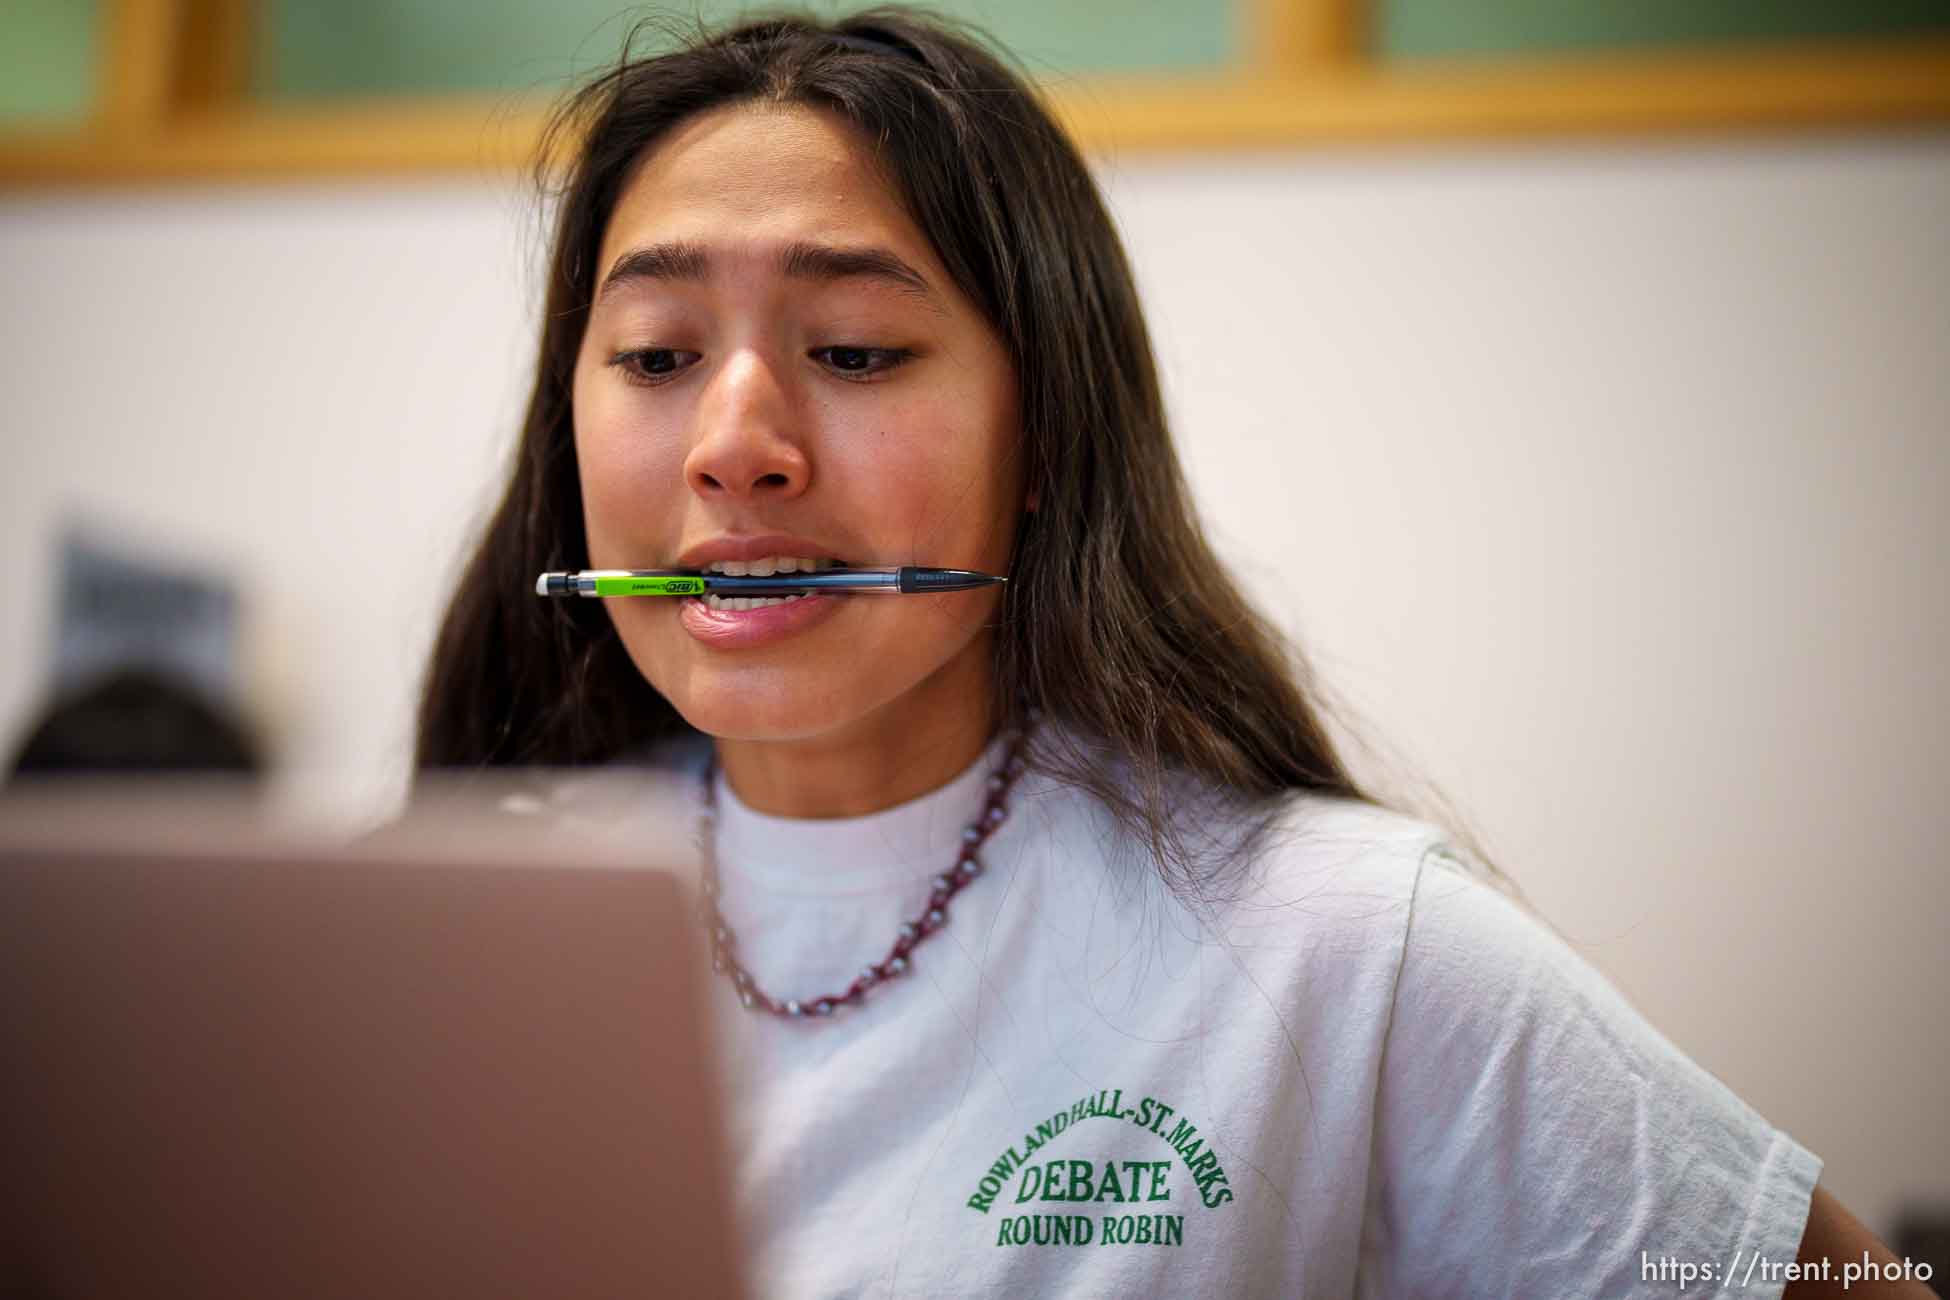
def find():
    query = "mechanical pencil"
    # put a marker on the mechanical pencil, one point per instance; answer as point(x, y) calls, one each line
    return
point(907, 580)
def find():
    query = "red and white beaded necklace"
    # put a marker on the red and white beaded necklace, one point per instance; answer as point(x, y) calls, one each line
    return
point(966, 867)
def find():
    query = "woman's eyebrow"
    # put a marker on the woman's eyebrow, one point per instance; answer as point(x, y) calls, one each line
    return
point(801, 259)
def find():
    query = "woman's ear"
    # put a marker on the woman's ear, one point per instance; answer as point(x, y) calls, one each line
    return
point(1030, 502)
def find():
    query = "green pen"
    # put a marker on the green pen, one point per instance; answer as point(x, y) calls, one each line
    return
point(906, 580)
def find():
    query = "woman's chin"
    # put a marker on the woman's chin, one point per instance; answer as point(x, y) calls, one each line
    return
point(734, 713)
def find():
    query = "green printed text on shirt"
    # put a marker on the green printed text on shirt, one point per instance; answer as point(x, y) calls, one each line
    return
point(1129, 1191)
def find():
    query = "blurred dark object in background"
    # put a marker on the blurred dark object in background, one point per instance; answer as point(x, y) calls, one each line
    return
point(143, 674)
point(134, 721)
point(123, 604)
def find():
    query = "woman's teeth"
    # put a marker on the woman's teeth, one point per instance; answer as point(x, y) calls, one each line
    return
point(768, 566)
point(712, 600)
point(760, 568)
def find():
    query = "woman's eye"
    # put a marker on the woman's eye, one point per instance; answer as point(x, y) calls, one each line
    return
point(854, 362)
point(648, 367)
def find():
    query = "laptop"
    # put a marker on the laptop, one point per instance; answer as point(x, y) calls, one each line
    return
point(466, 1056)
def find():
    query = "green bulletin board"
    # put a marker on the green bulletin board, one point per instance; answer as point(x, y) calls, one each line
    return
point(1404, 29)
point(325, 50)
point(310, 49)
point(48, 52)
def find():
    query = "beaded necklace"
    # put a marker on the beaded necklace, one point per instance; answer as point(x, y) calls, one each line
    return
point(966, 867)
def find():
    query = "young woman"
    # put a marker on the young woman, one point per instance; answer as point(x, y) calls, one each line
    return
point(1060, 954)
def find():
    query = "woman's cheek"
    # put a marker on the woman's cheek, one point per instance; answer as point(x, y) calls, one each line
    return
point(629, 480)
point(625, 522)
point(915, 472)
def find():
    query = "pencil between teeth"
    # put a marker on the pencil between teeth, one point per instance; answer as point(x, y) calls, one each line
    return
point(904, 580)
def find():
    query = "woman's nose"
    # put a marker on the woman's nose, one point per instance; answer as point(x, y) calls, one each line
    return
point(747, 442)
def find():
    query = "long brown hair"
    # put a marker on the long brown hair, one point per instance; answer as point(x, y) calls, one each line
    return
point(1119, 623)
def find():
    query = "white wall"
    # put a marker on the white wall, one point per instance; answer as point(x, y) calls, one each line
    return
point(1611, 485)
point(312, 388)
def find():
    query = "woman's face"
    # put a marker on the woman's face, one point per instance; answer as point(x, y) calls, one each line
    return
point(777, 366)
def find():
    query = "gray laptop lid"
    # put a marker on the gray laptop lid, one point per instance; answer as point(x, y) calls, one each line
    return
point(390, 1072)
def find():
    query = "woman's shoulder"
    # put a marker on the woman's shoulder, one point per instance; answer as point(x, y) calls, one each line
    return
point(1301, 862)
point(1349, 874)
point(1265, 841)
point(1410, 890)
point(1468, 960)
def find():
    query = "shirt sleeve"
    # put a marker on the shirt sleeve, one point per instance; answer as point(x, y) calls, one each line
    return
point(1535, 1135)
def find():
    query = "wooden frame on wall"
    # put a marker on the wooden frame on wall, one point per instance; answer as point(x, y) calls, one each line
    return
point(172, 106)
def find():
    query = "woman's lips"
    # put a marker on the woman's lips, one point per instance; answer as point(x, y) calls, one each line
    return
point(738, 629)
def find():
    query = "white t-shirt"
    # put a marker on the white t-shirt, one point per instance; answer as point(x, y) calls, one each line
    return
point(1367, 1073)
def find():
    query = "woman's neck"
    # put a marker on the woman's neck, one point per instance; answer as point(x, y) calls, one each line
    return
point(903, 750)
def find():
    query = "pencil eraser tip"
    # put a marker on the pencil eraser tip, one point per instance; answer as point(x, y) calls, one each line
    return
point(541, 585)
